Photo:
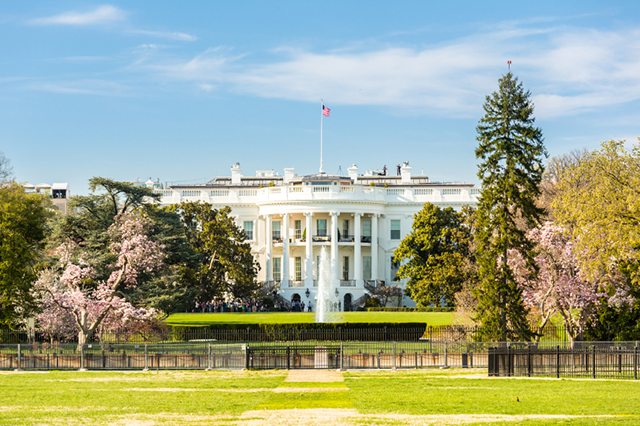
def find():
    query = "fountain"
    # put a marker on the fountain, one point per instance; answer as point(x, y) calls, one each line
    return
point(324, 304)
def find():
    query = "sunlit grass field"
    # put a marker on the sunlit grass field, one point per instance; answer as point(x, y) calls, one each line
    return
point(364, 397)
point(201, 319)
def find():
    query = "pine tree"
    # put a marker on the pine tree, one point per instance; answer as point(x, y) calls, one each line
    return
point(511, 150)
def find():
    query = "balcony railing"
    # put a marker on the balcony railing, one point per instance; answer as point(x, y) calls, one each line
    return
point(296, 283)
point(347, 283)
point(365, 239)
point(321, 238)
point(438, 193)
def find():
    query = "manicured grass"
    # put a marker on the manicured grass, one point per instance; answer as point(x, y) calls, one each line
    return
point(200, 319)
point(375, 397)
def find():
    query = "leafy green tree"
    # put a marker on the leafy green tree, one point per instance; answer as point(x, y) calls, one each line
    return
point(436, 255)
point(598, 201)
point(225, 263)
point(23, 220)
point(511, 151)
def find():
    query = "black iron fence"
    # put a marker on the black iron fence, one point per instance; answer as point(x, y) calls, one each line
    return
point(552, 359)
point(444, 333)
point(582, 359)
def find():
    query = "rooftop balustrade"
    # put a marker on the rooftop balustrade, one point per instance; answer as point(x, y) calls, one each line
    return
point(228, 196)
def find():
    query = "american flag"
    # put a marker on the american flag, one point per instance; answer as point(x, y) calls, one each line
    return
point(325, 111)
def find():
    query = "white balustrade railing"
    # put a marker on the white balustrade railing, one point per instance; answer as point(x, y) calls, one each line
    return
point(322, 192)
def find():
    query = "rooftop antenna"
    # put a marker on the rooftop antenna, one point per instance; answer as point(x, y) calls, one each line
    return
point(340, 173)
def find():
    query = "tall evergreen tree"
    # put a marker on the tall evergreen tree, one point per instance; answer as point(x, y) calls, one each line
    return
point(511, 151)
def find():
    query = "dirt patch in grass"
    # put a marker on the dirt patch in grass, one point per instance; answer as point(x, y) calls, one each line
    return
point(314, 376)
point(231, 390)
point(353, 417)
point(308, 390)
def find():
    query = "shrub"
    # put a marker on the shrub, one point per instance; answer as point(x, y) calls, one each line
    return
point(423, 309)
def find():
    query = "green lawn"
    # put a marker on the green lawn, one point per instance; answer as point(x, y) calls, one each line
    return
point(367, 397)
point(431, 318)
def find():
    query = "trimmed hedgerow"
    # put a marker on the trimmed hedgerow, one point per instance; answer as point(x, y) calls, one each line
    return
point(425, 309)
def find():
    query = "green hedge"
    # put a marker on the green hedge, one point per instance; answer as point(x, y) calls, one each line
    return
point(305, 331)
point(302, 326)
point(427, 309)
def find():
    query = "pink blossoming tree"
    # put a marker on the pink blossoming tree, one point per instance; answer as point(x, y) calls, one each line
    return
point(75, 298)
point(561, 287)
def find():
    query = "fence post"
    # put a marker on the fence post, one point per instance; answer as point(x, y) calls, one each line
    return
point(19, 358)
point(82, 358)
point(558, 362)
point(288, 358)
point(341, 357)
point(593, 361)
point(528, 361)
point(508, 360)
point(393, 355)
point(445, 355)
point(635, 362)
point(246, 357)
point(209, 357)
point(146, 358)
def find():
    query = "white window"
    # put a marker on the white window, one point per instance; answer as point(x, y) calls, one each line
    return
point(322, 227)
point(366, 268)
point(345, 268)
point(298, 269)
point(366, 231)
point(248, 229)
point(275, 226)
point(277, 269)
point(298, 228)
point(395, 229)
point(345, 228)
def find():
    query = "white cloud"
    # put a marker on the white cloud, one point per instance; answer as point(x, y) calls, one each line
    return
point(569, 70)
point(167, 35)
point(82, 87)
point(104, 14)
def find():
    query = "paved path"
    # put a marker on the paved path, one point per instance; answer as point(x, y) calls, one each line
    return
point(324, 376)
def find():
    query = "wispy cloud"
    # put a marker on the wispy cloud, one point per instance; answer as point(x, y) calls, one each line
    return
point(82, 87)
point(104, 14)
point(167, 35)
point(569, 70)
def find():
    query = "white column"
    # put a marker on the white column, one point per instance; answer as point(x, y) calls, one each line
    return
point(269, 246)
point(357, 251)
point(334, 249)
point(374, 247)
point(308, 264)
point(285, 251)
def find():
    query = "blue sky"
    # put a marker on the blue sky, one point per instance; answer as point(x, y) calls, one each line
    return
point(182, 90)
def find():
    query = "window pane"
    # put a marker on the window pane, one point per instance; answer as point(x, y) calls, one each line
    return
point(322, 227)
point(298, 269)
point(277, 271)
point(366, 228)
point(298, 229)
point(275, 226)
point(345, 268)
point(395, 229)
point(366, 268)
point(248, 229)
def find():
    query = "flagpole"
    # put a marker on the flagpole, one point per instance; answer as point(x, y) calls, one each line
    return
point(321, 123)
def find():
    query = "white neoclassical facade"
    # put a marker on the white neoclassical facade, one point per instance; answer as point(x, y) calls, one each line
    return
point(359, 219)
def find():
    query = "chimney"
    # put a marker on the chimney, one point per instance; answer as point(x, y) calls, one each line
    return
point(289, 174)
point(353, 173)
point(405, 172)
point(236, 174)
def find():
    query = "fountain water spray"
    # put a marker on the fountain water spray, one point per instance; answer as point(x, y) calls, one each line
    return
point(324, 304)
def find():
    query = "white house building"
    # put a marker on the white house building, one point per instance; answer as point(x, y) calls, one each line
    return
point(359, 219)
